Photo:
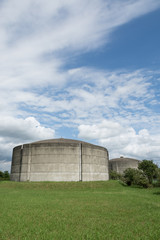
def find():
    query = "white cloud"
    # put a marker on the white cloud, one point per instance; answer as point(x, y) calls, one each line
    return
point(90, 95)
point(23, 129)
point(5, 166)
point(100, 132)
point(37, 38)
point(123, 140)
point(36, 33)
point(16, 131)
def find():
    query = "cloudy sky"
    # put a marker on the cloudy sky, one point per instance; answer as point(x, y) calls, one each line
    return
point(80, 69)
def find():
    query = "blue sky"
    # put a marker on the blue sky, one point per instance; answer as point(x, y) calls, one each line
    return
point(133, 45)
point(81, 69)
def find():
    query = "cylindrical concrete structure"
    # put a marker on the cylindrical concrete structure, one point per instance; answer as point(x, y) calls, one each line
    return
point(59, 160)
point(119, 165)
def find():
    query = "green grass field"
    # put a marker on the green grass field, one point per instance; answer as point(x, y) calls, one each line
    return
point(78, 210)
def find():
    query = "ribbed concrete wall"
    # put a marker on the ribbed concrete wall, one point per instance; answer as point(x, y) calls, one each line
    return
point(94, 163)
point(59, 160)
point(119, 165)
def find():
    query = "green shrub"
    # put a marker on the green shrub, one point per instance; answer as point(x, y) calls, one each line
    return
point(1, 175)
point(141, 180)
point(114, 175)
point(4, 175)
point(149, 169)
point(135, 177)
point(156, 182)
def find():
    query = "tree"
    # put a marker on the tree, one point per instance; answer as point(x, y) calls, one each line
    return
point(135, 177)
point(1, 175)
point(129, 176)
point(149, 169)
point(157, 182)
point(114, 175)
point(6, 175)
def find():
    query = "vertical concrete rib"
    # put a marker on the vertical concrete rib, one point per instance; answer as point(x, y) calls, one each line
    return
point(29, 162)
point(80, 162)
point(20, 164)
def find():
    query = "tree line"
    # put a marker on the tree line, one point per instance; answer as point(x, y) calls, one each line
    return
point(4, 175)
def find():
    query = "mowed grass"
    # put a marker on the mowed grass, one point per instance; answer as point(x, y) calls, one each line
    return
point(78, 210)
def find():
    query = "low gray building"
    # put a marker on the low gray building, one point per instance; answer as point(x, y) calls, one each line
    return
point(59, 160)
point(120, 164)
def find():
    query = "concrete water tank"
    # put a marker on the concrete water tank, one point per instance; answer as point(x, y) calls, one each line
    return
point(120, 164)
point(59, 160)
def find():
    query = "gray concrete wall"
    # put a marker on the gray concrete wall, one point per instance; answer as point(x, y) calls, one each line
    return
point(120, 165)
point(16, 164)
point(94, 163)
point(61, 161)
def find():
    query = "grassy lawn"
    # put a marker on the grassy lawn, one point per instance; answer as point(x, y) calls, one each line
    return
point(78, 210)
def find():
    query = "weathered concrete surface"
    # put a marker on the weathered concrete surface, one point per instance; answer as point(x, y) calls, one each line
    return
point(59, 160)
point(120, 164)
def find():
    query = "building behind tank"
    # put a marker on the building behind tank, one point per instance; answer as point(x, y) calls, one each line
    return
point(59, 160)
point(119, 165)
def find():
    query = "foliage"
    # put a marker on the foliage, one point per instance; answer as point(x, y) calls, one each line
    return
point(114, 175)
point(157, 178)
point(144, 175)
point(135, 177)
point(4, 175)
point(149, 169)
point(1, 175)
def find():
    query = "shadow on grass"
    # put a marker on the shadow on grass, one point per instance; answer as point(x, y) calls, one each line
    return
point(156, 193)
